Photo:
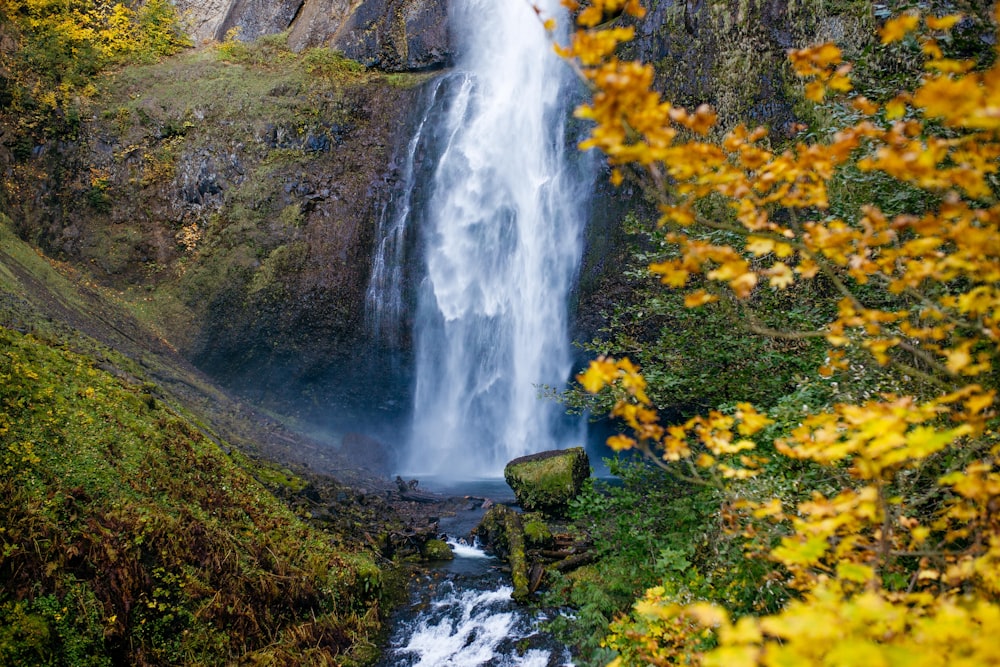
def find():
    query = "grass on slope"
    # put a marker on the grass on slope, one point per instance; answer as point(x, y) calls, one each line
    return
point(129, 536)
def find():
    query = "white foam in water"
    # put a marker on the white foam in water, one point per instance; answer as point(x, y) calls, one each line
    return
point(466, 550)
point(468, 640)
point(470, 628)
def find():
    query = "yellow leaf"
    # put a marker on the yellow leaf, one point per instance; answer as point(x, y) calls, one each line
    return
point(698, 298)
point(733, 656)
point(979, 402)
point(783, 250)
point(759, 246)
point(855, 572)
point(943, 22)
point(751, 421)
point(897, 28)
point(771, 508)
point(781, 275)
point(620, 443)
point(671, 273)
point(599, 373)
point(744, 284)
point(682, 215)
point(865, 106)
point(895, 108)
point(708, 615)
point(958, 358)
point(837, 340)
point(815, 91)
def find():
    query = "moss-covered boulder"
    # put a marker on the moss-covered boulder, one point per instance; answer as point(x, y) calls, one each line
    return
point(437, 550)
point(547, 481)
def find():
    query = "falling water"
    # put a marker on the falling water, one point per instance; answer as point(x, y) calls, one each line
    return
point(385, 300)
point(501, 245)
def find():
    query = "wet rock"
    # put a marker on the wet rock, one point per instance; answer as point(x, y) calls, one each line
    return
point(398, 35)
point(256, 18)
point(437, 550)
point(547, 481)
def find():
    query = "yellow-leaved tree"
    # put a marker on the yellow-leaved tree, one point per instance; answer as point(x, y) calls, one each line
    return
point(59, 47)
point(883, 576)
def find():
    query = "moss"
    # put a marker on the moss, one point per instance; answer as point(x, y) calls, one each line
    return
point(548, 481)
point(270, 474)
point(502, 531)
point(437, 550)
point(536, 531)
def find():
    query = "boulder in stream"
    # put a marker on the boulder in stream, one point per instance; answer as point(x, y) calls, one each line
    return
point(547, 481)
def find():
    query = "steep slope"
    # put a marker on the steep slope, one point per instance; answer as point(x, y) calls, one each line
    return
point(133, 533)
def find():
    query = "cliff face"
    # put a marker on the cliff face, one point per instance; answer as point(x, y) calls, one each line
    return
point(232, 194)
point(732, 54)
point(233, 203)
point(393, 35)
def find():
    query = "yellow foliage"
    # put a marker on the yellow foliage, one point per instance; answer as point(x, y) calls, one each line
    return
point(63, 45)
point(943, 263)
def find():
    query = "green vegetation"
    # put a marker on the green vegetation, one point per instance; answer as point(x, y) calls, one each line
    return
point(129, 532)
point(62, 46)
point(853, 519)
point(130, 535)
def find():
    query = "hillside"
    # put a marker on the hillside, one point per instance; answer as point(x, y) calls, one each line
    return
point(135, 533)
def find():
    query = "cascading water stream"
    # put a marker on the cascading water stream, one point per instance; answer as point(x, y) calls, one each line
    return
point(502, 242)
point(462, 615)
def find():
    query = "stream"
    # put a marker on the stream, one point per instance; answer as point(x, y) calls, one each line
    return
point(460, 613)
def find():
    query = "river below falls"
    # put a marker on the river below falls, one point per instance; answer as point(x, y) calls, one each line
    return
point(460, 613)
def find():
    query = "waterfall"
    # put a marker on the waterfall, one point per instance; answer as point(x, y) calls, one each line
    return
point(501, 218)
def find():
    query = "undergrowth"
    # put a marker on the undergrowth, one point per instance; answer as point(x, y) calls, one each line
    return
point(651, 530)
point(131, 537)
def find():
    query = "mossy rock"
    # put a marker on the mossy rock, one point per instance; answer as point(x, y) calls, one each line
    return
point(437, 550)
point(537, 533)
point(547, 481)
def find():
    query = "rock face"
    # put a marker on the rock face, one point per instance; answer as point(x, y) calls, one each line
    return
point(395, 35)
point(256, 18)
point(242, 202)
point(733, 55)
point(547, 481)
point(391, 35)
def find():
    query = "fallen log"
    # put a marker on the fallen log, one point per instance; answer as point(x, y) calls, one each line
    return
point(574, 561)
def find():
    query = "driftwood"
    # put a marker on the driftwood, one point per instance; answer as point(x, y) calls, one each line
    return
point(420, 496)
point(408, 491)
point(535, 576)
point(574, 561)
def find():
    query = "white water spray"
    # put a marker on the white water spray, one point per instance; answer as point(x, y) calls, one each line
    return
point(502, 247)
point(471, 627)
